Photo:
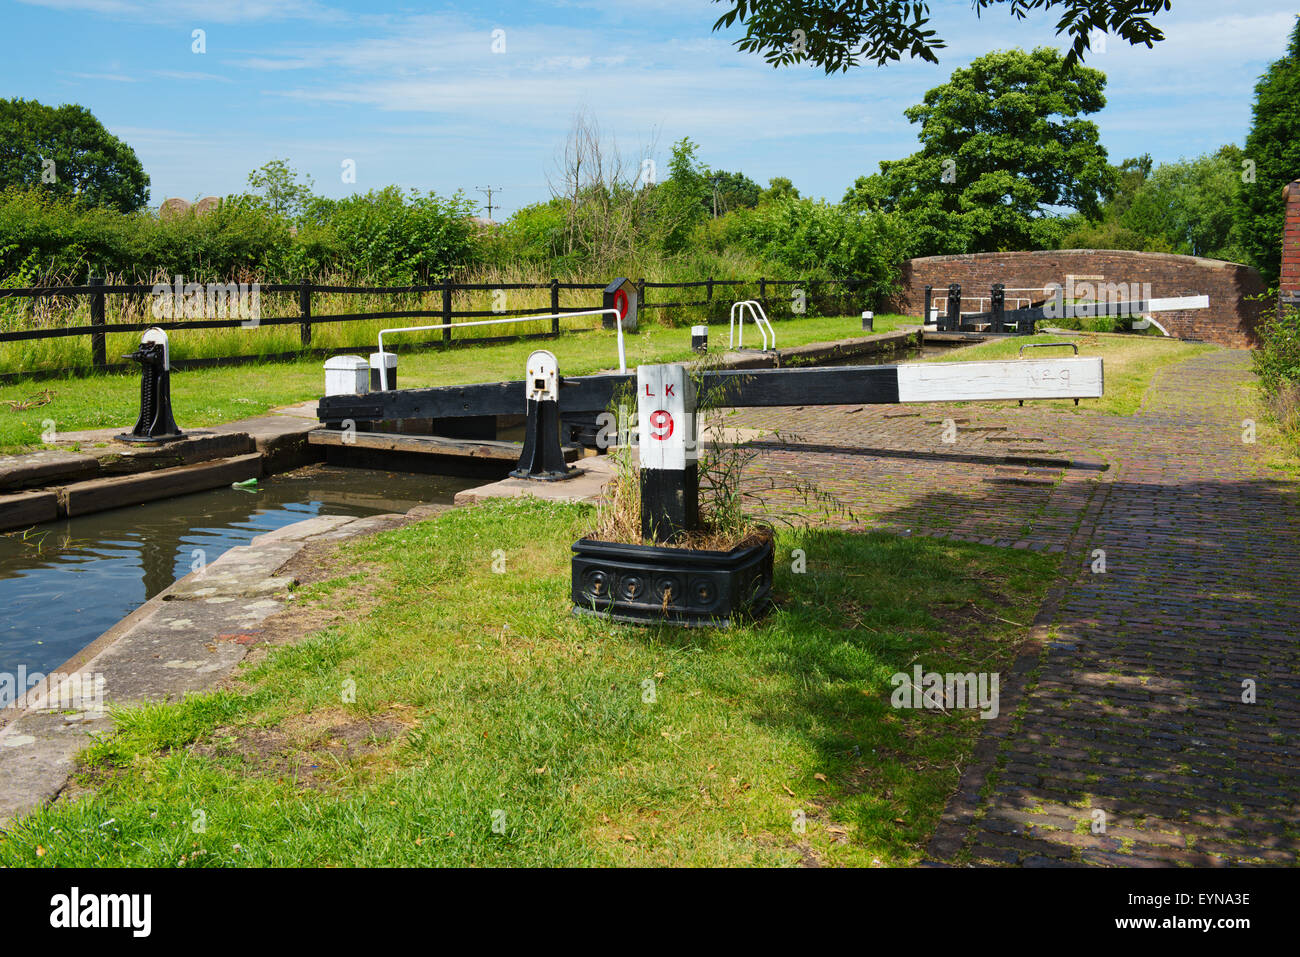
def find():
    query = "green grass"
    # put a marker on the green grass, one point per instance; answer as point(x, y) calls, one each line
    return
point(504, 704)
point(1129, 362)
point(205, 397)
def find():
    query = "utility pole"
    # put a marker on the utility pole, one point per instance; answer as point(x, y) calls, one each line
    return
point(489, 190)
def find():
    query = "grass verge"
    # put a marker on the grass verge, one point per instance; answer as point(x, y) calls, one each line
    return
point(490, 727)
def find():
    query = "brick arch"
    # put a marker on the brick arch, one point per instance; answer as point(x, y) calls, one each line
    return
point(1230, 320)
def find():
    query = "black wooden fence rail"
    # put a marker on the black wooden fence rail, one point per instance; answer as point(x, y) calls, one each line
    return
point(96, 290)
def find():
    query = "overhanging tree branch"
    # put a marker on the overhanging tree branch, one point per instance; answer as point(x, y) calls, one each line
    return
point(839, 34)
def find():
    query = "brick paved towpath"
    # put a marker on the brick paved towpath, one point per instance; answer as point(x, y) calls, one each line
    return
point(1124, 738)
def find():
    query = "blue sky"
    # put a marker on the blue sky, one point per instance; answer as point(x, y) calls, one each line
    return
point(415, 95)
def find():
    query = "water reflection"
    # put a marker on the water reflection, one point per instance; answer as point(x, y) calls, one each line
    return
point(64, 583)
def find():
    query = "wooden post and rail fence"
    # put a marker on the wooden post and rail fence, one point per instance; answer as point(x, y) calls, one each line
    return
point(96, 291)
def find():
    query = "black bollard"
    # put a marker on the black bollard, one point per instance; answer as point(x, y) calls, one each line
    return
point(542, 458)
point(156, 423)
point(953, 321)
point(998, 306)
point(929, 298)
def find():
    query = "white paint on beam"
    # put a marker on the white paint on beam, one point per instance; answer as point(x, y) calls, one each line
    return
point(1074, 377)
point(1179, 302)
point(1133, 307)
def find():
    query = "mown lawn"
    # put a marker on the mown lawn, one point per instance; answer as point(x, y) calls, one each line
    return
point(212, 396)
point(481, 702)
point(1128, 362)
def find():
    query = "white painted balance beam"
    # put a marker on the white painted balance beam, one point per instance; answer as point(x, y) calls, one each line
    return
point(1081, 310)
point(1072, 377)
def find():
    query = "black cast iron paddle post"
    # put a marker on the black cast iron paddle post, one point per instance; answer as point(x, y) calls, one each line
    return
point(155, 423)
point(953, 320)
point(542, 458)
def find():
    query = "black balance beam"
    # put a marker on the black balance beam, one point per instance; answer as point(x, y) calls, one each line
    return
point(841, 385)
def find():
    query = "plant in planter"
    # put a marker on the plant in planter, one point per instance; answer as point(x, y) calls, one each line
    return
point(672, 542)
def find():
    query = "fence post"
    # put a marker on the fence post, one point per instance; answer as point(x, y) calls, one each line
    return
point(640, 294)
point(762, 291)
point(446, 308)
point(304, 312)
point(98, 355)
point(555, 306)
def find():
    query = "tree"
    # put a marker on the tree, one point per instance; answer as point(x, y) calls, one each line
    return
point(67, 152)
point(1273, 152)
point(1189, 204)
point(1003, 148)
point(277, 185)
point(1130, 175)
point(731, 191)
point(778, 188)
point(839, 35)
point(684, 197)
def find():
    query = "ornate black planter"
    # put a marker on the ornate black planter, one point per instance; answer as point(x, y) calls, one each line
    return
point(646, 584)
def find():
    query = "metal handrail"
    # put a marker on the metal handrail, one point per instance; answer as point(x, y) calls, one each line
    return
point(618, 325)
point(1048, 345)
point(755, 312)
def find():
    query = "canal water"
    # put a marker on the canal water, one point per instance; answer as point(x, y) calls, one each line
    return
point(64, 583)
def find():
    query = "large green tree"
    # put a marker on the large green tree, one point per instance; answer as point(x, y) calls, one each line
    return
point(1003, 148)
point(731, 191)
point(1183, 207)
point(1189, 204)
point(838, 34)
point(1273, 156)
point(67, 152)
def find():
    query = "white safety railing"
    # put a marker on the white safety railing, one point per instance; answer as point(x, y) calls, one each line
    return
point(940, 296)
point(618, 325)
point(756, 313)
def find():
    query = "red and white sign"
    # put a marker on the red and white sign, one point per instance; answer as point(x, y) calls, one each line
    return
point(665, 417)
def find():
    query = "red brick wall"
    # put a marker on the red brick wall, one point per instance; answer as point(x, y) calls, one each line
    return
point(1289, 281)
point(1229, 321)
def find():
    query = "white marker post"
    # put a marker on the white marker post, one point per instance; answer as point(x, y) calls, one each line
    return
point(542, 457)
point(670, 487)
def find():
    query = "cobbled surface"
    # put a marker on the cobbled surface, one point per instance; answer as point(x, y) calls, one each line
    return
point(1131, 740)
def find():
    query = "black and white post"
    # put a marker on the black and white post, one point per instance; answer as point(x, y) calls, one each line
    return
point(667, 444)
point(542, 458)
point(700, 339)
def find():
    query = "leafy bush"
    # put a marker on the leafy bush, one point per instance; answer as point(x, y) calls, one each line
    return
point(534, 234)
point(382, 236)
point(820, 239)
point(385, 237)
point(1277, 360)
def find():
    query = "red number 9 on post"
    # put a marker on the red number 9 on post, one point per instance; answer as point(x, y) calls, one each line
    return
point(661, 424)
